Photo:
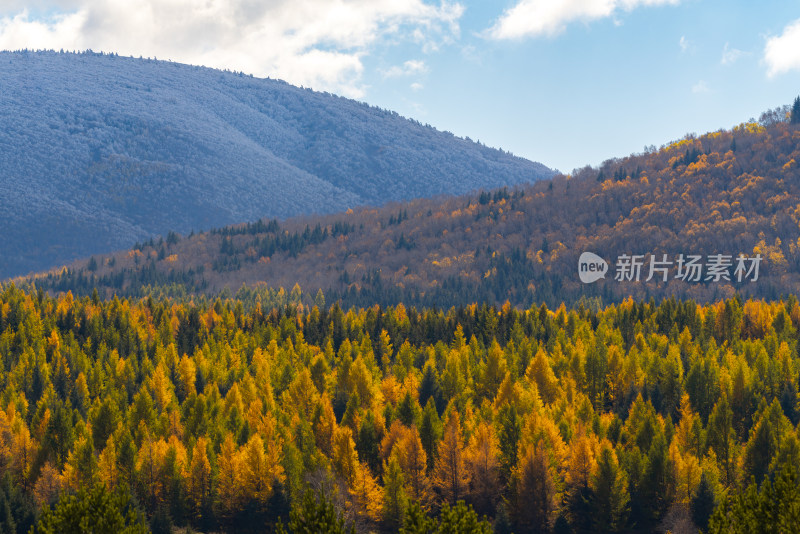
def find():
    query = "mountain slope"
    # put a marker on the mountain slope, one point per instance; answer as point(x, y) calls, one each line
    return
point(727, 192)
point(99, 151)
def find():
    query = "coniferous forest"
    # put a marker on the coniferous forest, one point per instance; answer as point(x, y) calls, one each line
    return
point(727, 192)
point(223, 415)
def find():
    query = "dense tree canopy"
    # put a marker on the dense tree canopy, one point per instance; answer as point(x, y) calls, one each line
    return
point(223, 414)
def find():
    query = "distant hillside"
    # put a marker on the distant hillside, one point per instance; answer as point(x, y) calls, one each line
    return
point(727, 192)
point(99, 151)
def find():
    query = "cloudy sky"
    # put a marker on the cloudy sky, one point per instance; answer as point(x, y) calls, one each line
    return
point(564, 82)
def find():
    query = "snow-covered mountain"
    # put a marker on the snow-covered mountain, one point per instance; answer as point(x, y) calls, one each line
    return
point(99, 151)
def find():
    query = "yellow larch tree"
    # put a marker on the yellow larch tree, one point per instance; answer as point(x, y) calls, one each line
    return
point(199, 487)
point(48, 486)
point(229, 488)
point(107, 465)
point(450, 476)
point(366, 496)
point(187, 376)
point(541, 374)
point(413, 461)
point(23, 453)
point(344, 456)
point(483, 465)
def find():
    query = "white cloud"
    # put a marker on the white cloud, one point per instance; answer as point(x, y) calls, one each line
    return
point(59, 31)
point(684, 43)
point(701, 87)
point(782, 53)
point(316, 43)
point(550, 17)
point(416, 86)
point(409, 68)
point(731, 55)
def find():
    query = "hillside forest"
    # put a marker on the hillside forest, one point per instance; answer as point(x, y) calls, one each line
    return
point(225, 415)
point(728, 192)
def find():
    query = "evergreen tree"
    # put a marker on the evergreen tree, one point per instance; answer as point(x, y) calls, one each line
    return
point(765, 438)
point(314, 514)
point(367, 442)
point(103, 511)
point(509, 436)
point(795, 116)
point(610, 493)
point(418, 522)
point(458, 519)
point(703, 503)
point(395, 498)
point(766, 509)
point(430, 431)
point(462, 519)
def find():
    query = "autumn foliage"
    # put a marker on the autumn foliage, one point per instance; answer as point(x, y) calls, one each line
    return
point(224, 416)
point(727, 192)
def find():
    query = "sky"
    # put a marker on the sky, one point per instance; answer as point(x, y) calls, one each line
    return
point(564, 82)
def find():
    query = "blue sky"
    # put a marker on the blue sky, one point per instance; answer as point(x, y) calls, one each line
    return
point(567, 83)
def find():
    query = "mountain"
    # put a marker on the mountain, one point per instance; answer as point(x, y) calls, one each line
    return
point(727, 192)
point(99, 151)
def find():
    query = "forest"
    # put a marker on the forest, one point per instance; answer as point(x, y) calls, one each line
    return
point(727, 192)
point(265, 413)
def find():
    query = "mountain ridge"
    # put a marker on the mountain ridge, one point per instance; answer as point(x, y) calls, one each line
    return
point(100, 151)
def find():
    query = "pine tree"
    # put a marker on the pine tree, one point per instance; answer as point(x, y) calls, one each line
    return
point(768, 508)
point(764, 441)
point(795, 116)
point(395, 498)
point(105, 512)
point(703, 504)
point(462, 519)
point(418, 522)
point(313, 514)
point(430, 430)
point(367, 442)
point(610, 493)
point(509, 435)
point(721, 436)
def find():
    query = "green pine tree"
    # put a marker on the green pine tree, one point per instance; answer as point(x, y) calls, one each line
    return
point(610, 494)
point(795, 116)
point(702, 504)
point(96, 509)
point(315, 514)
